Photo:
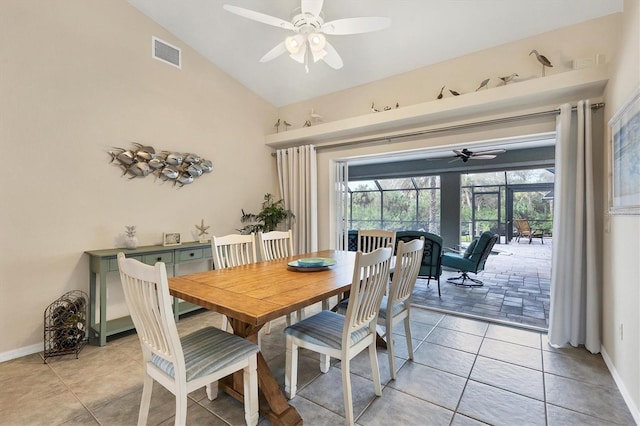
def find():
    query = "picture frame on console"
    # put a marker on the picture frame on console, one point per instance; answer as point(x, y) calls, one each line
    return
point(171, 239)
point(624, 191)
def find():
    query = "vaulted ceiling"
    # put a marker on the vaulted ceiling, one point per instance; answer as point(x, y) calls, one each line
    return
point(422, 32)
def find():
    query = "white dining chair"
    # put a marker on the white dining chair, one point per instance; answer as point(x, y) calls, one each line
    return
point(372, 239)
point(276, 245)
point(395, 306)
point(232, 250)
point(344, 336)
point(185, 364)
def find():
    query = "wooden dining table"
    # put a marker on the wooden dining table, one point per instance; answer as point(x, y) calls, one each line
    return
point(252, 295)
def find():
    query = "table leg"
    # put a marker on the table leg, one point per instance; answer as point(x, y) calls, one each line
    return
point(273, 403)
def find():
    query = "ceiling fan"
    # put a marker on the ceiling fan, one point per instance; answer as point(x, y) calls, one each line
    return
point(466, 155)
point(309, 29)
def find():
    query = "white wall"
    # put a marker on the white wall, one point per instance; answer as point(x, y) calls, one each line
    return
point(77, 78)
point(621, 286)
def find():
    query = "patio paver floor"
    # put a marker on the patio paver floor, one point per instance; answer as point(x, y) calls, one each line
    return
point(516, 287)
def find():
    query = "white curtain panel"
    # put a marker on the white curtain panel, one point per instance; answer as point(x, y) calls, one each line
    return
point(574, 317)
point(298, 178)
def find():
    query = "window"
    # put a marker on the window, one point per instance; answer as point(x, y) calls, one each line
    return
point(396, 204)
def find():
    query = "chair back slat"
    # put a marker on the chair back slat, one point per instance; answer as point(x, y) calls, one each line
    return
point(146, 292)
point(233, 250)
point(275, 245)
point(372, 239)
point(370, 276)
point(407, 267)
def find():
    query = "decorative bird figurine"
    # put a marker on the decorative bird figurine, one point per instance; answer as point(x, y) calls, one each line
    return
point(542, 59)
point(286, 125)
point(277, 125)
point(373, 108)
point(440, 94)
point(454, 93)
point(307, 123)
point(508, 78)
point(483, 84)
point(315, 116)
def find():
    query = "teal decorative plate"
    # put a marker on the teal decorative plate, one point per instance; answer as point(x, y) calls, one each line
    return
point(312, 263)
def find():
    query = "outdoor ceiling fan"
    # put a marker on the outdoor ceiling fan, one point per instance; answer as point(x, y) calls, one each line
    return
point(309, 29)
point(466, 154)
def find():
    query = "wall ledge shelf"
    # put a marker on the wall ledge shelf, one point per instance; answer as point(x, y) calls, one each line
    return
point(569, 86)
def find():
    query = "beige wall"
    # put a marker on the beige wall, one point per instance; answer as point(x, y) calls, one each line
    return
point(77, 78)
point(621, 286)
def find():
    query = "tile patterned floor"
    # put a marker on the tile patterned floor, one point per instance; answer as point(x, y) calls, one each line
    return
point(465, 372)
point(516, 287)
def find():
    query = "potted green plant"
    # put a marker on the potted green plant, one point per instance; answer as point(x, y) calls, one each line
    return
point(272, 214)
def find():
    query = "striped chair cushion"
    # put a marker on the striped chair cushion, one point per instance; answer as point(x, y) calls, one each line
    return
point(397, 308)
point(325, 329)
point(206, 351)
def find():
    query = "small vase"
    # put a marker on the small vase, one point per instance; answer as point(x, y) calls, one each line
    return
point(131, 242)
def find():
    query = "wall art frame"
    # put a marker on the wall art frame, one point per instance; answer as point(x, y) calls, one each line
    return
point(624, 191)
point(171, 239)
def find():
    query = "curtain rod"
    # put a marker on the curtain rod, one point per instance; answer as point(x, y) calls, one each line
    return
point(594, 107)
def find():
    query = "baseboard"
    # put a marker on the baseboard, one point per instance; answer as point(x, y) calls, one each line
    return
point(621, 387)
point(20, 352)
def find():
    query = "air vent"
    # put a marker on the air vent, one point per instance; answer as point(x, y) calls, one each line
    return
point(165, 52)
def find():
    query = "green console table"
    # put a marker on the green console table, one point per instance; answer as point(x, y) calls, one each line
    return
point(101, 262)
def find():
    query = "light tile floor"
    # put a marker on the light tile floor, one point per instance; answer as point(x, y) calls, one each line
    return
point(465, 372)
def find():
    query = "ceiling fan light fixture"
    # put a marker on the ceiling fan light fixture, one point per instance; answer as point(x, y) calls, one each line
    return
point(295, 44)
point(317, 41)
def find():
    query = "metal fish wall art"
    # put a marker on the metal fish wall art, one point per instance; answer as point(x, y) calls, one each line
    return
point(143, 160)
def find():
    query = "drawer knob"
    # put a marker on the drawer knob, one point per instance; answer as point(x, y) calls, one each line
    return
point(159, 259)
point(192, 254)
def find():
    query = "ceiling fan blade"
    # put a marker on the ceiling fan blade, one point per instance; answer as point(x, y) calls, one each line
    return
point(493, 152)
point(274, 53)
point(460, 153)
point(355, 25)
point(482, 157)
point(312, 7)
point(260, 17)
point(332, 58)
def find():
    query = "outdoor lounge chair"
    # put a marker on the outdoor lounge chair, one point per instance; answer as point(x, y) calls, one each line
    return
point(524, 230)
point(472, 260)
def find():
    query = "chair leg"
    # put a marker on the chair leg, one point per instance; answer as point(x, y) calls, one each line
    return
point(439, 294)
point(291, 369)
point(346, 391)
point(407, 332)
point(390, 348)
point(212, 390)
point(250, 379)
point(145, 402)
point(375, 368)
point(325, 363)
point(181, 408)
point(465, 277)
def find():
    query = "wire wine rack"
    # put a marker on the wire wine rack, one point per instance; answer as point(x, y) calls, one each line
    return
point(65, 325)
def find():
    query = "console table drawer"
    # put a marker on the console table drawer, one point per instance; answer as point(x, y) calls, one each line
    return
point(186, 255)
point(151, 259)
point(113, 263)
